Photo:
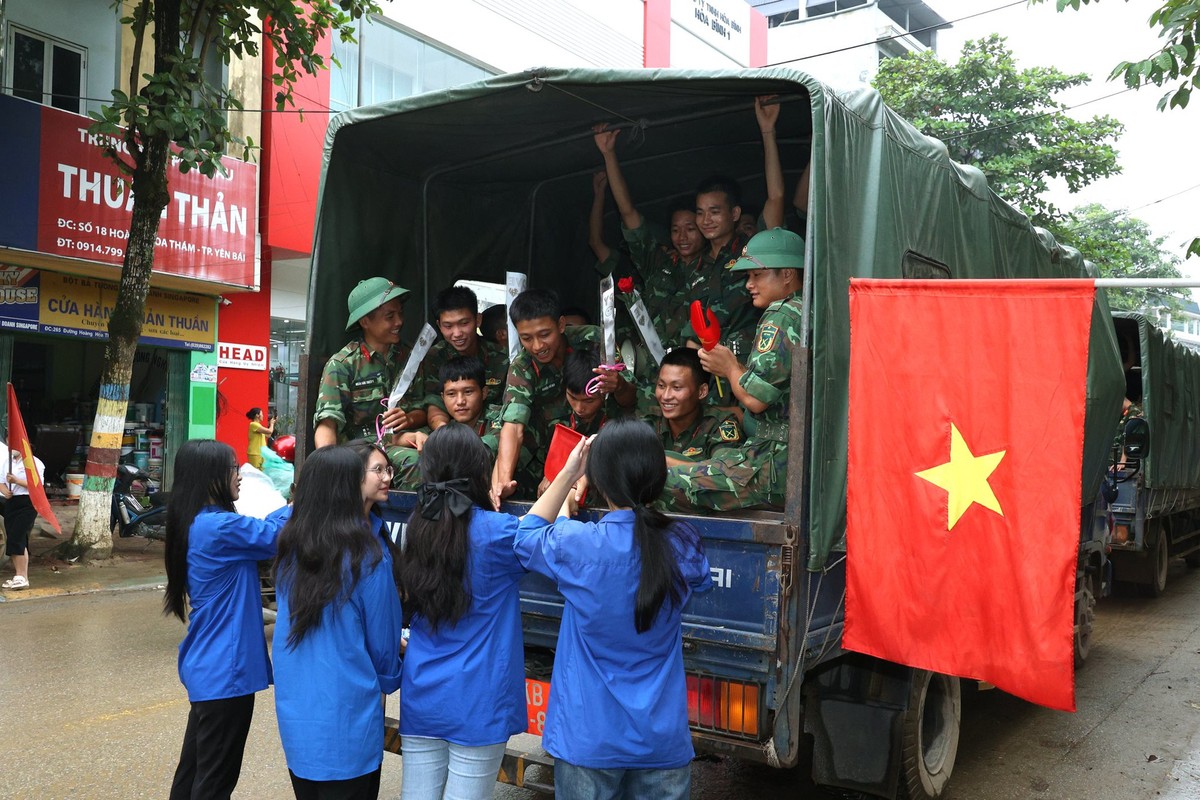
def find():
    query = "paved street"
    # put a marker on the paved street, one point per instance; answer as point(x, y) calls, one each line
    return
point(93, 709)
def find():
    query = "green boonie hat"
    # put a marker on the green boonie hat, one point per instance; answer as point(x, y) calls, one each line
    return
point(368, 296)
point(774, 249)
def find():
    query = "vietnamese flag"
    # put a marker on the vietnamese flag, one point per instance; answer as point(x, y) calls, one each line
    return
point(18, 440)
point(963, 478)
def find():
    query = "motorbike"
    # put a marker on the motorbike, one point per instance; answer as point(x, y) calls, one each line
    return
point(138, 509)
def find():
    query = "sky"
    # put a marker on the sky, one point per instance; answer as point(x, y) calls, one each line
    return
point(1158, 153)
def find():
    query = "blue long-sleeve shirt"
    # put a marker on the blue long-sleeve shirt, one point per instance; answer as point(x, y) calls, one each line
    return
point(327, 689)
point(224, 653)
point(465, 683)
point(618, 698)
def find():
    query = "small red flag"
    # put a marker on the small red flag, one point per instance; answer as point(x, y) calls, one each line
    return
point(18, 440)
point(963, 478)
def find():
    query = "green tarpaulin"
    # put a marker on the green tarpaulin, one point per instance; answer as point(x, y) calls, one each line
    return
point(496, 176)
point(1170, 382)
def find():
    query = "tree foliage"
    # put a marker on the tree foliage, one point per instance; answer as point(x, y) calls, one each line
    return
point(1004, 120)
point(173, 113)
point(1124, 247)
point(1179, 24)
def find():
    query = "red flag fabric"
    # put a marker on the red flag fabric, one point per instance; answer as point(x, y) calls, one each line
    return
point(18, 440)
point(963, 478)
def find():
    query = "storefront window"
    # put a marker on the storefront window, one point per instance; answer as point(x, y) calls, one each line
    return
point(394, 65)
point(287, 343)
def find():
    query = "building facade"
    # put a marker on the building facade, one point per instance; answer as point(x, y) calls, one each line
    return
point(64, 219)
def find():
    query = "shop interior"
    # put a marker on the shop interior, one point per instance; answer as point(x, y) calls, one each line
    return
point(57, 382)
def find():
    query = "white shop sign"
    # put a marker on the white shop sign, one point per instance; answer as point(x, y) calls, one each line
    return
point(231, 355)
point(721, 24)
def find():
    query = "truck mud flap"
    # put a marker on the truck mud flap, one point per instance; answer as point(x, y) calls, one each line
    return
point(854, 710)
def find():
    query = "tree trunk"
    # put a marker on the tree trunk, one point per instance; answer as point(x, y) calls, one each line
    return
point(92, 537)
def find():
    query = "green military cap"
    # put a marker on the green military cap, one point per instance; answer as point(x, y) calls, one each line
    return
point(774, 249)
point(370, 295)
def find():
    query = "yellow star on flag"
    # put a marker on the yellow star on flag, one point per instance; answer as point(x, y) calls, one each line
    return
point(31, 476)
point(965, 479)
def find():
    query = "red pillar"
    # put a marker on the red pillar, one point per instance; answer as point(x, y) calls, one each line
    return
point(656, 45)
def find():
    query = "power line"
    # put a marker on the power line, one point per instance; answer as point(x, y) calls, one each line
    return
point(946, 24)
point(1024, 120)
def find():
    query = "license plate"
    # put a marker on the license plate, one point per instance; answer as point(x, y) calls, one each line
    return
point(537, 695)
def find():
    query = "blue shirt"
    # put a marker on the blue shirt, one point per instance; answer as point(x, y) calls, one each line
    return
point(617, 697)
point(327, 689)
point(224, 653)
point(466, 682)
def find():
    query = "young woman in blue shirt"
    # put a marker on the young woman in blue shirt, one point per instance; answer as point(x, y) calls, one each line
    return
point(463, 690)
point(617, 722)
point(212, 556)
point(337, 634)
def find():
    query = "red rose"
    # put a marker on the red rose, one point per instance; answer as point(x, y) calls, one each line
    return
point(625, 285)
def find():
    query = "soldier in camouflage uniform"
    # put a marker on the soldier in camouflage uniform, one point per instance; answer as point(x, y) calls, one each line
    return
point(534, 398)
point(465, 395)
point(357, 379)
point(456, 313)
point(689, 428)
point(672, 280)
point(755, 474)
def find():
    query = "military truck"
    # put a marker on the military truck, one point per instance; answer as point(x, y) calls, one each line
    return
point(495, 176)
point(1155, 514)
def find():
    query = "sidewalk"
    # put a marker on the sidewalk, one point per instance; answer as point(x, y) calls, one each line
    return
point(135, 564)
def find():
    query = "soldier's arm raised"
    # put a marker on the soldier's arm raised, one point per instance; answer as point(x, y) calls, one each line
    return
point(766, 109)
point(596, 218)
point(606, 141)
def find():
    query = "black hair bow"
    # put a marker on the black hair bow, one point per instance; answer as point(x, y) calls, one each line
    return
point(444, 494)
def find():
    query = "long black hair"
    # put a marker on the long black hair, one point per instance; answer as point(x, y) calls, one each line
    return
point(628, 466)
point(203, 477)
point(433, 574)
point(327, 533)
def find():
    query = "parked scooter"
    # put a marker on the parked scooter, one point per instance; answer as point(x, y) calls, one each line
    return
point(138, 513)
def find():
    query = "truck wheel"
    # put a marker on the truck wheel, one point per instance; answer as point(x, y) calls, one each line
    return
point(1158, 559)
point(931, 728)
point(1085, 616)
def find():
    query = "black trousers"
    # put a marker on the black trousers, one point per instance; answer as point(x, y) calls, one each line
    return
point(211, 760)
point(364, 787)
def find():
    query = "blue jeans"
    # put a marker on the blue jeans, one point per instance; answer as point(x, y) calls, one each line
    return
point(435, 769)
point(585, 783)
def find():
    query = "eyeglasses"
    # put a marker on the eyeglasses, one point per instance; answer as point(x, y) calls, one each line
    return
point(384, 472)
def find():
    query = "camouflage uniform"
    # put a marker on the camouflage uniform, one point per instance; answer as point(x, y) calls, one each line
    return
point(725, 293)
point(354, 383)
point(755, 474)
point(713, 428)
point(1134, 410)
point(495, 365)
point(668, 283)
point(534, 397)
point(406, 460)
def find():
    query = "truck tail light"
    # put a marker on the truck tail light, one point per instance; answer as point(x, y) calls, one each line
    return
point(721, 705)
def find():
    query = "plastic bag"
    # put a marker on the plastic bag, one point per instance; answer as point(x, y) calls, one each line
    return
point(258, 496)
point(281, 473)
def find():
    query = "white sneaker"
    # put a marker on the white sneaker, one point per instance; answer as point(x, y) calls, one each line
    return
point(15, 582)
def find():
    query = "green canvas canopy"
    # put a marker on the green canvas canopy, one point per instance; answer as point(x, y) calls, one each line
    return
point(1169, 378)
point(494, 176)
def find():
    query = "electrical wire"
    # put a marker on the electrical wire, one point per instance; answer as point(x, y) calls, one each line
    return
point(945, 24)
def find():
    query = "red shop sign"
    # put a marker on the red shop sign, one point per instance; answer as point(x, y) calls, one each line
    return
point(207, 230)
